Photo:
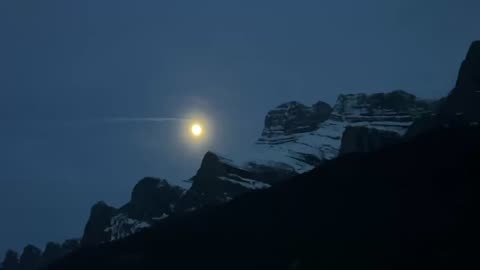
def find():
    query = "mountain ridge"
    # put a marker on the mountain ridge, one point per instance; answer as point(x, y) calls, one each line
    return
point(405, 222)
point(295, 139)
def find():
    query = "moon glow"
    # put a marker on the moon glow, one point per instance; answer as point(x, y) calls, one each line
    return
point(196, 130)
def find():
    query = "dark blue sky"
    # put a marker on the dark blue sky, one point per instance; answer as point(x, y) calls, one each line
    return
point(65, 63)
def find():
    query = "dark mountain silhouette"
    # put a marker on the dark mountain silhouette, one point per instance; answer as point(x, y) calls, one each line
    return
point(99, 219)
point(151, 199)
point(362, 139)
point(32, 258)
point(462, 103)
point(410, 205)
point(461, 106)
point(11, 261)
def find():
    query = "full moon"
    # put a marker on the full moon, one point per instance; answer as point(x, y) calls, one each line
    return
point(196, 130)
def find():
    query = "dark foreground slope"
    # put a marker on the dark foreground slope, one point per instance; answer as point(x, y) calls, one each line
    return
point(407, 206)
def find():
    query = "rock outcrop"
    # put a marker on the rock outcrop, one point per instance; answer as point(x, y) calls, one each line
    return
point(363, 139)
point(100, 217)
point(52, 252)
point(152, 200)
point(292, 118)
point(219, 180)
point(30, 258)
point(391, 112)
point(11, 261)
point(152, 197)
point(461, 106)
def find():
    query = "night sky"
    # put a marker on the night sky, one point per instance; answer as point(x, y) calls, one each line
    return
point(66, 64)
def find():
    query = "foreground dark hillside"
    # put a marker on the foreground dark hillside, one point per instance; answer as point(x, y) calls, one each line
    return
point(407, 206)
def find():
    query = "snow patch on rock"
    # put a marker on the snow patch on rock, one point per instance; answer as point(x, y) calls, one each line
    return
point(244, 182)
point(123, 226)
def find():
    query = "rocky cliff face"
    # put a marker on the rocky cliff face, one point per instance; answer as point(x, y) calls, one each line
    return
point(100, 216)
point(363, 139)
point(461, 106)
point(292, 118)
point(152, 200)
point(219, 180)
point(152, 197)
point(391, 112)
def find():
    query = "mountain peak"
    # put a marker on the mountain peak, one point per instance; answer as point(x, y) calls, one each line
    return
point(294, 117)
point(461, 106)
point(469, 74)
point(474, 51)
point(148, 184)
point(152, 197)
point(99, 204)
point(100, 215)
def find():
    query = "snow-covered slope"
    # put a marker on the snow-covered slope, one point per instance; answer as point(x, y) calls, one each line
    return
point(301, 151)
